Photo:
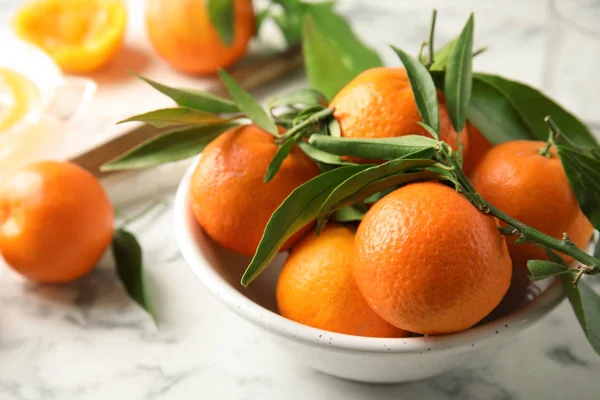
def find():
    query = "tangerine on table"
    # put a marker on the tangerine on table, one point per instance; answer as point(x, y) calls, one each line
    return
point(428, 261)
point(316, 287)
point(80, 35)
point(183, 34)
point(230, 199)
point(478, 147)
point(379, 103)
point(55, 221)
point(533, 189)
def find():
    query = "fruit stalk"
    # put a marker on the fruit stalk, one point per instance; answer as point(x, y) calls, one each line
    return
point(313, 119)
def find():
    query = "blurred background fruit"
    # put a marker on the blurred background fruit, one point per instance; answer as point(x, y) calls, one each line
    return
point(316, 287)
point(183, 33)
point(55, 221)
point(429, 262)
point(231, 201)
point(534, 189)
point(81, 35)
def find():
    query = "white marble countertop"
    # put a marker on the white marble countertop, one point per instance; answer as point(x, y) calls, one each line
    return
point(87, 340)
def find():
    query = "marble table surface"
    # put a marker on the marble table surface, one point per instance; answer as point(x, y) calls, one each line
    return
point(87, 340)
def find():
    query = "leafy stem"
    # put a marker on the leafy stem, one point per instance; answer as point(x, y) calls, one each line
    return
point(525, 233)
point(313, 119)
point(430, 46)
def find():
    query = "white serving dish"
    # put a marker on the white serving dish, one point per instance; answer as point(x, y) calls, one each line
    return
point(375, 360)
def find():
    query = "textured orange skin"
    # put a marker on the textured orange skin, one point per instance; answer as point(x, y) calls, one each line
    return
point(316, 287)
point(533, 189)
point(183, 34)
point(478, 146)
point(230, 199)
point(379, 103)
point(55, 221)
point(428, 261)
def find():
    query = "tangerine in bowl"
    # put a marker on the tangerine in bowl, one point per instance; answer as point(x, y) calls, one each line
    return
point(401, 357)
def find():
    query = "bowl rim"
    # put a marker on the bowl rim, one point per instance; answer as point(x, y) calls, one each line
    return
point(501, 328)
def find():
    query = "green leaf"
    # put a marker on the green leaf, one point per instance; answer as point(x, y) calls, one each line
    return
point(196, 99)
point(248, 105)
point(442, 56)
point(458, 82)
point(369, 181)
point(333, 55)
point(176, 116)
point(322, 156)
point(128, 261)
point(304, 96)
point(423, 90)
point(534, 106)
point(289, 20)
point(221, 15)
point(586, 304)
point(597, 249)
point(174, 145)
point(495, 115)
point(297, 210)
point(583, 173)
point(541, 269)
point(378, 149)
point(334, 128)
point(379, 195)
point(348, 214)
point(279, 158)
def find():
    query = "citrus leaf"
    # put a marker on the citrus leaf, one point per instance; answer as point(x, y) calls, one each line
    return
point(495, 115)
point(379, 195)
point(175, 116)
point(333, 55)
point(380, 149)
point(458, 82)
point(278, 158)
point(542, 269)
point(583, 173)
point(586, 305)
point(289, 20)
point(346, 193)
point(348, 214)
point(297, 210)
point(534, 106)
point(441, 57)
point(128, 261)
point(248, 105)
point(174, 145)
point(221, 15)
point(196, 99)
point(423, 90)
point(304, 96)
point(322, 156)
point(334, 128)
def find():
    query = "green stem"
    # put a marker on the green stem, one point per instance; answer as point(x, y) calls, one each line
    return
point(523, 231)
point(431, 36)
point(313, 119)
point(530, 234)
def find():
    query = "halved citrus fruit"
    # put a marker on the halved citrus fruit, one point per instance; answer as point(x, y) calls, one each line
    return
point(81, 35)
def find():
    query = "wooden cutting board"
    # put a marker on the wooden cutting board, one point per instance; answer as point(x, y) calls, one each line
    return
point(254, 74)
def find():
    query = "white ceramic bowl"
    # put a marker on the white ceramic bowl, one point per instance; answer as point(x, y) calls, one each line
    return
point(376, 360)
